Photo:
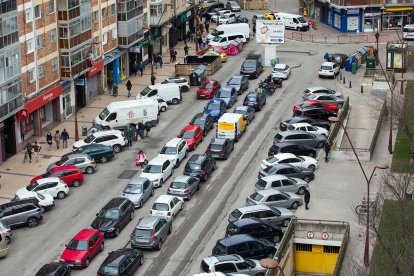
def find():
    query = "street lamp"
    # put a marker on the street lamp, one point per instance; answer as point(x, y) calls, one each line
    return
point(271, 264)
point(377, 36)
point(381, 166)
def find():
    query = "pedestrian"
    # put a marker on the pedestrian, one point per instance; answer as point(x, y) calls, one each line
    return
point(186, 50)
point(307, 198)
point(199, 41)
point(64, 136)
point(28, 152)
point(141, 159)
point(135, 68)
point(153, 79)
point(207, 25)
point(327, 149)
point(141, 129)
point(141, 67)
point(115, 90)
point(56, 137)
point(175, 56)
point(129, 87)
point(36, 149)
point(200, 27)
point(254, 29)
point(161, 62)
point(148, 126)
point(171, 54)
point(128, 134)
point(49, 140)
point(21, 131)
point(204, 40)
point(155, 61)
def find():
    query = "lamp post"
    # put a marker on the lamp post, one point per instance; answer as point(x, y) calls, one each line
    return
point(377, 36)
point(271, 264)
point(381, 166)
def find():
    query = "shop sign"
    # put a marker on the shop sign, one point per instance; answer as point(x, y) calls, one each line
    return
point(352, 11)
point(96, 68)
point(22, 114)
point(372, 14)
point(80, 82)
point(43, 99)
point(135, 49)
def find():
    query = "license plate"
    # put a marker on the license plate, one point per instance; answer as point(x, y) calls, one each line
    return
point(250, 104)
point(142, 240)
point(202, 95)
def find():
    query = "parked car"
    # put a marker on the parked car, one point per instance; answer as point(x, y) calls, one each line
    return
point(138, 190)
point(233, 6)
point(309, 128)
point(309, 103)
point(240, 82)
point(314, 122)
point(255, 100)
point(255, 227)
point(232, 264)
point(121, 262)
point(4, 248)
point(99, 153)
point(184, 186)
point(248, 112)
point(241, 19)
point(275, 198)
point(182, 83)
point(327, 98)
point(281, 71)
point(274, 216)
point(220, 148)
point(167, 206)
point(114, 216)
point(282, 183)
point(193, 135)
point(83, 162)
point(162, 104)
point(158, 170)
point(200, 166)
point(112, 138)
point(228, 95)
point(83, 247)
point(287, 147)
point(203, 120)
point(314, 113)
point(6, 231)
point(216, 108)
point(227, 18)
point(289, 158)
point(252, 65)
point(208, 89)
point(245, 246)
point(53, 186)
point(321, 90)
point(22, 212)
point(45, 200)
point(300, 137)
point(340, 59)
point(54, 269)
point(217, 12)
point(175, 150)
point(329, 69)
point(151, 232)
point(289, 171)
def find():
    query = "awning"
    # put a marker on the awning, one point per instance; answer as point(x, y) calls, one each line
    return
point(393, 9)
point(42, 99)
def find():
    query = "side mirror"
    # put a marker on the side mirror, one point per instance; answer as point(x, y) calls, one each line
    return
point(97, 214)
point(66, 245)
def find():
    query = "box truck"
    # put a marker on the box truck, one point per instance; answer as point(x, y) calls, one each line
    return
point(230, 126)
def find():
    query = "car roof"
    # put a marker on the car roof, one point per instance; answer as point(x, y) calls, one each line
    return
point(280, 65)
point(191, 127)
point(320, 94)
point(252, 208)
point(212, 260)
point(317, 88)
point(328, 63)
point(85, 234)
point(236, 77)
point(292, 132)
point(115, 202)
point(241, 107)
point(76, 155)
point(209, 81)
point(301, 124)
point(215, 101)
point(285, 155)
point(148, 221)
point(268, 192)
point(227, 88)
point(197, 158)
point(159, 160)
point(312, 107)
point(247, 221)
point(173, 142)
point(218, 141)
point(182, 178)
point(136, 180)
point(274, 177)
point(47, 180)
point(235, 239)
point(252, 94)
point(47, 268)
point(116, 256)
point(164, 198)
point(63, 168)
point(106, 132)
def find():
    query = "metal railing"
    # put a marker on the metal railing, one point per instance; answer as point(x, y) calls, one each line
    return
point(333, 132)
point(328, 39)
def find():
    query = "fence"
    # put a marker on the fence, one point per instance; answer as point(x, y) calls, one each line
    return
point(336, 127)
point(339, 39)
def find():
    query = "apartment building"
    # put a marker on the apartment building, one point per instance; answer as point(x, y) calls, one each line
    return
point(11, 98)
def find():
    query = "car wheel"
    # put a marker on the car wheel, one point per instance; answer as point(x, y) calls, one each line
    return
point(87, 262)
point(152, 192)
point(174, 101)
point(141, 260)
point(307, 179)
point(116, 232)
point(163, 109)
point(76, 183)
point(320, 145)
point(205, 177)
point(161, 182)
point(32, 222)
point(8, 240)
point(215, 166)
point(132, 215)
point(186, 154)
point(141, 204)
point(277, 239)
point(189, 196)
point(159, 245)
point(117, 148)
point(90, 170)
point(103, 159)
point(61, 195)
point(312, 167)
point(102, 247)
point(177, 164)
point(286, 222)
point(260, 274)
point(295, 205)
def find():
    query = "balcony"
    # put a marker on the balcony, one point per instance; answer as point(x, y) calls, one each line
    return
point(360, 2)
point(398, 2)
point(154, 2)
point(156, 20)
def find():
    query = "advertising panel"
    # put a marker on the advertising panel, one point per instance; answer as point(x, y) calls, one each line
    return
point(270, 32)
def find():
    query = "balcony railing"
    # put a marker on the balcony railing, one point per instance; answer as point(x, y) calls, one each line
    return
point(360, 2)
point(75, 70)
point(398, 2)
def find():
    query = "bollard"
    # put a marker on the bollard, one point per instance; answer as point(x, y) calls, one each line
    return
point(340, 75)
point(344, 80)
point(350, 85)
point(362, 89)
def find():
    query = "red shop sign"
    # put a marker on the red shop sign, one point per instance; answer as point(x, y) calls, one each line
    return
point(96, 68)
point(43, 99)
point(23, 114)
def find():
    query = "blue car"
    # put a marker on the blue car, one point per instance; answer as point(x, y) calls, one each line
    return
point(215, 108)
point(227, 94)
point(138, 190)
point(256, 228)
point(246, 246)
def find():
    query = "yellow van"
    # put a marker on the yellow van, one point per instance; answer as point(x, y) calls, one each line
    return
point(230, 126)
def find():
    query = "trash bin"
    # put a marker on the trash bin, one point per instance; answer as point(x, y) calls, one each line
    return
point(354, 67)
point(371, 62)
point(84, 131)
point(198, 76)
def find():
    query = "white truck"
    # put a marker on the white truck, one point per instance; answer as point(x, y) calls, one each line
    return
point(293, 21)
point(170, 92)
point(231, 28)
point(117, 115)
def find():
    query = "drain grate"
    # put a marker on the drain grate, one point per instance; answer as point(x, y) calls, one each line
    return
point(127, 174)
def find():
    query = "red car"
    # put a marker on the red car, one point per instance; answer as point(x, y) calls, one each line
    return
point(193, 135)
point(208, 89)
point(82, 248)
point(70, 174)
point(325, 106)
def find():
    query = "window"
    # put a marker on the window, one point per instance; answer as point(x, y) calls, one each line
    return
point(31, 74)
point(104, 38)
point(113, 10)
point(104, 13)
point(95, 16)
point(53, 35)
point(40, 71)
point(30, 46)
point(37, 12)
point(54, 64)
point(226, 268)
point(303, 247)
point(51, 6)
point(39, 41)
point(114, 33)
point(29, 15)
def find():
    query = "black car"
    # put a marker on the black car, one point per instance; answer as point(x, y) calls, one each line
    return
point(289, 171)
point(252, 66)
point(220, 148)
point(315, 122)
point(200, 165)
point(54, 269)
point(296, 149)
point(314, 113)
point(241, 19)
point(99, 153)
point(114, 216)
point(121, 262)
point(256, 228)
point(255, 100)
point(241, 83)
point(204, 120)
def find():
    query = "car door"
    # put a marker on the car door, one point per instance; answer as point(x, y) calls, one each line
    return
point(192, 185)
point(181, 150)
point(146, 190)
point(295, 162)
point(162, 229)
point(198, 135)
point(80, 163)
point(280, 200)
point(92, 246)
point(256, 250)
point(242, 249)
point(41, 189)
point(165, 170)
point(124, 215)
point(125, 266)
point(177, 205)
point(210, 163)
point(52, 189)
point(288, 186)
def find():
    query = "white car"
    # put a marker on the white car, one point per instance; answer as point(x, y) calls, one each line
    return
point(329, 69)
point(182, 83)
point(175, 150)
point(162, 104)
point(45, 200)
point(112, 138)
point(227, 18)
point(281, 71)
point(289, 158)
point(321, 90)
point(53, 186)
point(213, 14)
point(167, 206)
point(309, 128)
point(158, 170)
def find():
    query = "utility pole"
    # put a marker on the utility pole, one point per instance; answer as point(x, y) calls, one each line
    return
point(196, 11)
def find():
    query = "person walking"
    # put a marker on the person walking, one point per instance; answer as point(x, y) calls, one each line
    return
point(141, 159)
point(49, 140)
point(64, 136)
point(207, 25)
point(36, 149)
point(56, 137)
point(148, 126)
point(129, 87)
point(204, 40)
point(307, 198)
point(186, 50)
point(153, 78)
point(141, 129)
point(327, 149)
point(128, 135)
point(199, 41)
point(141, 68)
point(160, 61)
point(28, 152)
point(135, 68)
point(175, 56)
point(171, 54)
point(115, 90)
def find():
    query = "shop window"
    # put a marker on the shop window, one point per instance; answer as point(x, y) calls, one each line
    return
point(39, 41)
point(28, 15)
point(53, 35)
point(41, 71)
point(32, 75)
point(37, 12)
point(51, 6)
point(104, 13)
point(54, 64)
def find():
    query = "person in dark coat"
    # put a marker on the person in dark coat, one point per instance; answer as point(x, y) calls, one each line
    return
point(186, 50)
point(129, 87)
point(153, 79)
point(171, 54)
point(175, 56)
point(141, 67)
point(49, 140)
point(141, 129)
point(327, 149)
point(64, 137)
point(307, 198)
point(148, 126)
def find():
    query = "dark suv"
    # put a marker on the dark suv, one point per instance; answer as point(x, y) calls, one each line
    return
point(200, 166)
point(204, 120)
point(252, 66)
point(255, 227)
point(21, 212)
point(314, 113)
point(220, 148)
point(114, 216)
point(121, 262)
point(99, 153)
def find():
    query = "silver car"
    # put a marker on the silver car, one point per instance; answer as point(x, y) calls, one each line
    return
point(150, 232)
point(319, 90)
point(275, 198)
point(232, 264)
point(138, 190)
point(282, 183)
point(6, 231)
point(300, 137)
point(327, 98)
point(184, 186)
point(83, 162)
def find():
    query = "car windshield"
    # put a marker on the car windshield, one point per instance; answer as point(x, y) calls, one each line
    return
point(188, 134)
point(89, 139)
point(31, 186)
point(217, 39)
point(261, 183)
point(278, 70)
point(109, 213)
point(152, 169)
point(169, 150)
point(216, 33)
point(312, 97)
point(146, 91)
point(256, 197)
point(251, 98)
point(291, 127)
point(236, 214)
point(234, 81)
point(207, 85)
point(78, 245)
point(80, 150)
point(326, 67)
point(216, 147)
point(133, 189)
point(269, 170)
point(62, 161)
point(285, 194)
point(42, 197)
point(239, 111)
point(301, 158)
point(178, 185)
point(272, 159)
point(108, 270)
point(104, 114)
point(249, 63)
point(200, 121)
point(160, 206)
point(220, 248)
point(141, 233)
point(231, 229)
point(224, 94)
point(301, 19)
point(194, 166)
point(213, 106)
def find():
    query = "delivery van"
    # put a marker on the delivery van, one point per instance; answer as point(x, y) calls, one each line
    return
point(117, 115)
point(230, 126)
point(231, 28)
point(293, 21)
point(225, 39)
point(170, 92)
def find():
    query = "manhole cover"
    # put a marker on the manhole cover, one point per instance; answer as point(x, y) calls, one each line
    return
point(127, 174)
point(47, 156)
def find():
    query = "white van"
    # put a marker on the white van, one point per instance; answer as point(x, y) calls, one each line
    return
point(230, 126)
point(225, 39)
point(170, 92)
point(408, 32)
point(293, 21)
point(232, 28)
point(117, 115)
point(4, 249)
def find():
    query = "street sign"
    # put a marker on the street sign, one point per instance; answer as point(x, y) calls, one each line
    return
point(270, 32)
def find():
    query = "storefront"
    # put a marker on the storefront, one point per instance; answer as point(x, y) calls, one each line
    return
point(372, 18)
point(67, 102)
point(347, 20)
point(115, 68)
point(322, 12)
point(182, 24)
point(394, 18)
point(8, 138)
point(94, 80)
